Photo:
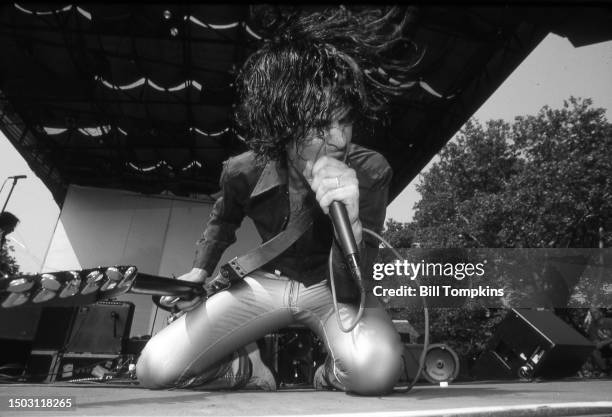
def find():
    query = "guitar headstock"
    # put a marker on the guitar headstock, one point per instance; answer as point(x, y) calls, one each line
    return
point(66, 288)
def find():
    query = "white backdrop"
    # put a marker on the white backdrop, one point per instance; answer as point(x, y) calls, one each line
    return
point(157, 234)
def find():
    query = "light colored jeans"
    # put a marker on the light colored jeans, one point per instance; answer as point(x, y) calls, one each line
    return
point(197, 347)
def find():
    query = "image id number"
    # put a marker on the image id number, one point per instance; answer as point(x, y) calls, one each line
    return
point(39, 403)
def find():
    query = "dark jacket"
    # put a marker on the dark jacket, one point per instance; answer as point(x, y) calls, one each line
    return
point(261, 192)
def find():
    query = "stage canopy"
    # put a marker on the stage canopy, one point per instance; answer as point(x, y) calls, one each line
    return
point(139, 97)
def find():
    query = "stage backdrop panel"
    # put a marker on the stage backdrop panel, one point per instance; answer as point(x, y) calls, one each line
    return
point(155, 233)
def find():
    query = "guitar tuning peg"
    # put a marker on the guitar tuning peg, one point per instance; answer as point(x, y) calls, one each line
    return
point(18, 292)
point(16, 299)
point(128, 276)
point(114, 275)
point(93, 281)
point(72, 287)
point(20, 285)
point(49, 285)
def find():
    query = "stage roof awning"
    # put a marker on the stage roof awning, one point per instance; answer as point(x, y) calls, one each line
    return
point(139, 97)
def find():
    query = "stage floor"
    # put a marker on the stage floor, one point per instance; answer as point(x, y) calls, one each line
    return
point(559, 398)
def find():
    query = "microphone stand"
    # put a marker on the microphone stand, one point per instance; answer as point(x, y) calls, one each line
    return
point(15, 179)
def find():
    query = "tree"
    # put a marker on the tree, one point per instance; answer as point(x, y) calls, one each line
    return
point(543, 181)
point(8, 222)
point(8, 265)
point(471, 171)
point(399, 235)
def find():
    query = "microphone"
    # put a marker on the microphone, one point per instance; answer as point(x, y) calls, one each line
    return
point(342, 225)
point(18, 177)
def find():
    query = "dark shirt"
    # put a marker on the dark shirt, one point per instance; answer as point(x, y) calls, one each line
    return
point(261, 192)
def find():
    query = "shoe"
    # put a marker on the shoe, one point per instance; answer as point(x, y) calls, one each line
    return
point(262, 377)
point(322, 383)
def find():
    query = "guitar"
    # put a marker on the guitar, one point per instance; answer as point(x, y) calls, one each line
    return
point(70, 288)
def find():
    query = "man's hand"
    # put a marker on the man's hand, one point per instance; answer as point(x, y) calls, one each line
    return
point(197, 275)
point(332, 180)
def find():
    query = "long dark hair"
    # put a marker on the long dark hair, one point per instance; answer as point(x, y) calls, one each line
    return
point(317, 64)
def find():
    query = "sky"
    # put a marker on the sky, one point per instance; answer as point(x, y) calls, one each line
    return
point(554, 71)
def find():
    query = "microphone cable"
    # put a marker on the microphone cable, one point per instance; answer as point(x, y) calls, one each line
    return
point(358, 278)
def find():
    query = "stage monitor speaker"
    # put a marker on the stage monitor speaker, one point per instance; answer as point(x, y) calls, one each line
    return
point(533, 343)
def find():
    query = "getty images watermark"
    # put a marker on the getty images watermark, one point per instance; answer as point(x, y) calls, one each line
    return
point(518, 278)
point(422, 269)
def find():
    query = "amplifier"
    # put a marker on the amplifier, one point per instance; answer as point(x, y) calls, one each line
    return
point(53, 328)
point(102, 328)
point(17, 331)
point(19, 323)
point(97, 332)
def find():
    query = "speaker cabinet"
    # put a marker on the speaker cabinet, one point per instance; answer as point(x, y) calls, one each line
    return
point(17, 331)
point(19, 323)
point(533, 343)
point(89, 333)
point(54, 328)
point(103, 328)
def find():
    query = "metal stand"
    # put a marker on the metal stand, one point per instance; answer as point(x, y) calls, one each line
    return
point(15, 179)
